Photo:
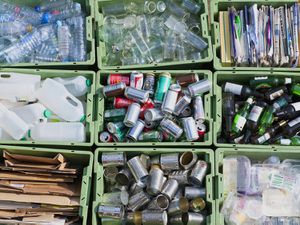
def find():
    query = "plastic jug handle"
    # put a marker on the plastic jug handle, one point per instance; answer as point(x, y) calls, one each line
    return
point(73, 101)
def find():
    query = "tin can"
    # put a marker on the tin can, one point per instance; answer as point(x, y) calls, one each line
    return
point(110, 211)
point(148, 105)
point(154, 114)
point(199, 88)
point(151, 124)
point(170, 99)
point(114, 115)
point(187, 79)
point(181, 104)
point(113, 90)
point(134, 133)
point(113, 159)
point(118, 78)
point(190, 129)
point(162, 87)
point(149, 83)
point(151, 136)
point(186, 112)
point(198, 173)
point(136, 80)
point(136, 94)
point(120, 102)
point(115, 127)
point(201, 130)
point(171, 127)
point(119, 136)
point(199, 114)
point(132, 115)
point(105, 137)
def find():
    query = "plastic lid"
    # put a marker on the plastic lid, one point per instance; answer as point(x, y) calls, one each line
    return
point(88, 82)
point(45, 17)
point(37, 8)
point(83, 118)
point(47, 113)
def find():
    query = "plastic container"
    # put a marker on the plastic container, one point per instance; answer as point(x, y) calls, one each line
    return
point(204, 154)
point(82, 158)
point(256, 154)
point(88, 8)
point(100, 106)
point(240, 77)
point(101, 51)
point(89, 126)
point(222, 5)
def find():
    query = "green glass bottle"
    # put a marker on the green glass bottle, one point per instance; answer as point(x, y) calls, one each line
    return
point(294, 141)
point(268, 82)
point(295, 89)
point(240, 118)
point(266, 120)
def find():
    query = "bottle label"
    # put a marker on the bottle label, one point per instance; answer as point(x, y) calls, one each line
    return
point(255, 113)
point(296, 106)
point(288, 80)
point(261, 139)
point(240, 122)
point(276, 94)
point(261, 78)
point(294, 122)
point(233, 88)
point(285, 141)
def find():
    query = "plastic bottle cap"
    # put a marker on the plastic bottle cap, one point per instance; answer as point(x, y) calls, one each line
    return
point(83, 118)
point(45, 17)
point(29, 133)
point(58, 23)
point(23, 139)
point(47, 113)
point(88, 82)
point(37, 8)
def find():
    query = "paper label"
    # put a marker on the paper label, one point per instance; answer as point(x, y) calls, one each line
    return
point(261, 139)
point(276, 94)
point(241, 123)
point(296, 106)
point(261, 78)
point(233, 88)
point(285, 141)
point(294, 122)
point(288, 80)
point(255, 113)
point(282, 182)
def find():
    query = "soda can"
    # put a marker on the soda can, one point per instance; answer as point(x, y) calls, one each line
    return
point(199, 114)
point(151, 124)
point(118, 78)
point(181, 104)
point(151, 136)
point(199, 88)
point(120, 102)
point(136, 94)
point(114, 115)
point(134, 133)
point(136, 80)
point(148, 105)
point(119, 136)
point(149, 83)
point(186, 112)
point(187, 79)
point(190, 129)
point(201, 130)
point(162, 87)
point(170, 99)
point(105, 137)
point(171, 127)
point(115, 127)
point(154, 114)
point(132, 115)
point(113, 90)
point(168, 137)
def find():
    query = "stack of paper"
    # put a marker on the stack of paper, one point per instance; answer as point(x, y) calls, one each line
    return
point(38, 190)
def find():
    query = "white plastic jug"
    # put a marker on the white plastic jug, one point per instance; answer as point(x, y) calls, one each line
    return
point(33, 113)
point(56, 98)
point(10, 105)
point(60, 131)
point(12, 124)
point(77, 86)
point(4, 136)
point(19, 87)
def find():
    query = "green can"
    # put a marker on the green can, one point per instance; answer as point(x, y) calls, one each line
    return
point(114, 115)
point(119, 136)
point(151, 136)
point(115, 127)
point(295, 90)
point(162, 86)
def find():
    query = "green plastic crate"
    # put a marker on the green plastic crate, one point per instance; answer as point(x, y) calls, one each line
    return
point(99, 124)
point(256, 154)
point(88, 7)
point(89, 110)
point(205, 154)
point(240, 77)
point(101, 51)
point(222, 5)
point(82, 158)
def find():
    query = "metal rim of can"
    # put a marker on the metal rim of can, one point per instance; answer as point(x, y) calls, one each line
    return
point(165, 74)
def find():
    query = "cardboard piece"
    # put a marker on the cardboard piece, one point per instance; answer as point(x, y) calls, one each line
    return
point(20, 176)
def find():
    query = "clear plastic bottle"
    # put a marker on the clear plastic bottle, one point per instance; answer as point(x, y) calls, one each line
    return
point(60, 131)
point(12, 124)
point(56, 98)
point(14, 28)
point(52, 4)
point(64, 38)
point(77, 86)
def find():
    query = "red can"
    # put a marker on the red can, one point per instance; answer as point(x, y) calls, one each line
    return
point(118, 78)
point(201, 130)
point(136, 80)
point(120, 102)
point(148, 105)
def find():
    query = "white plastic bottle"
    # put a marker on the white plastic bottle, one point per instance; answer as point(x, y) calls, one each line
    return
point(60, 131)
point(54, 96)
point(77, 86)
point(33, 113)
point(12, 124)
point(19, 87)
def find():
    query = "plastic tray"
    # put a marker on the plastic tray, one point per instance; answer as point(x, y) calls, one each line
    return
point(99, 124)
point(84, 158)
point(89, 109)
point(88, 7)
point(219, 5)
point(206, 154)
point(101, 51)
point(240, 77)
